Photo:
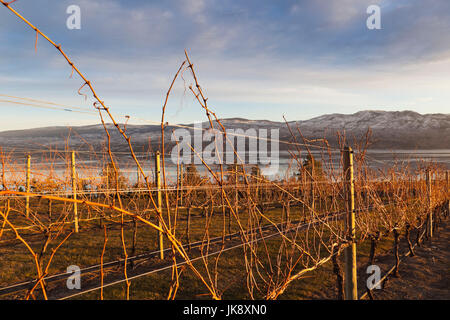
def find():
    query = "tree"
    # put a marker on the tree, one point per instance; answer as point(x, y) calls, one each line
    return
point(235, 173)
point(313, 167)
point(191, 176)
point(256, 171)
point(109, 177)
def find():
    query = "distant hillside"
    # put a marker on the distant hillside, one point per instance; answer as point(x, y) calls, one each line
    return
point(390, 130)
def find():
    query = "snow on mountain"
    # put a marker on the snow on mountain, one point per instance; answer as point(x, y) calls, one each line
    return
point(394, 130)
point(380, 119)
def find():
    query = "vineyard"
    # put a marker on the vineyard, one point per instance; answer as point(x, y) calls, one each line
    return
point(222, 231)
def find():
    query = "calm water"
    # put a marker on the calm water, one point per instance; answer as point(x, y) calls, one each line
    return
point(285, 165)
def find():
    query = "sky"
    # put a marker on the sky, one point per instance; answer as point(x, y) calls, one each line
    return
point(255, 59)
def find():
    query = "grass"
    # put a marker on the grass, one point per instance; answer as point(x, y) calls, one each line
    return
point(85, 248)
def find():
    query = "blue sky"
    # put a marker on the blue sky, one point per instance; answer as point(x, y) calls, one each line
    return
point(257, 59)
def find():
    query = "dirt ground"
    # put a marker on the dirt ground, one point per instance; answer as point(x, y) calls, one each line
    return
point(424, 276)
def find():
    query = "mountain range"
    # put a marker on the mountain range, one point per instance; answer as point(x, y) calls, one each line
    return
point(389, 130)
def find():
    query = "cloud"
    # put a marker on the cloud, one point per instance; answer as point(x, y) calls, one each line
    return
point(255, 58)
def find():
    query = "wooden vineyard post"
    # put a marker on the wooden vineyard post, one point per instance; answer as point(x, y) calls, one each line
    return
point(393, 183)
point(411, 186)
point(181, 184)
point(138, 178)
point(158, 186)
point(28, 187)
point(107, 182)
point(311, 182)
point(257, 184)
point(447, 179)
point(351, 290)
point(430, 212)
point(74, 191)
point(236, 194)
